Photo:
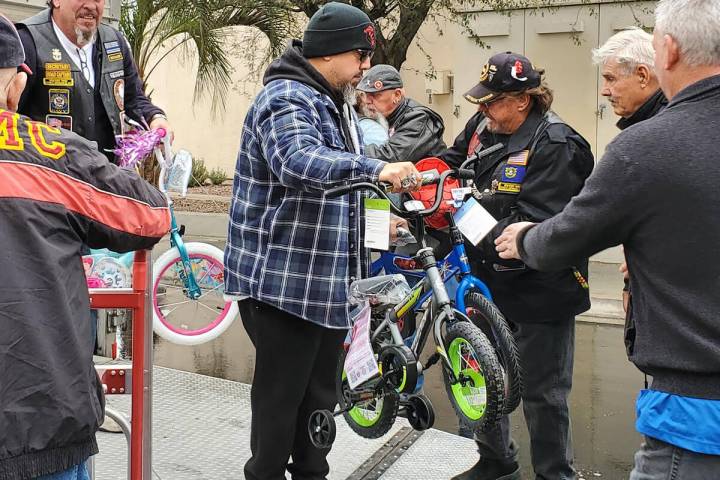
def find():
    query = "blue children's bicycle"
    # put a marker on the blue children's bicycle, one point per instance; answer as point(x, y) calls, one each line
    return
point(470, 295)
point(472, 372)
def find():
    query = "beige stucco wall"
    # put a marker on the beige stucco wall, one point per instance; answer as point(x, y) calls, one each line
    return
point(561, 41)
point(211, 136)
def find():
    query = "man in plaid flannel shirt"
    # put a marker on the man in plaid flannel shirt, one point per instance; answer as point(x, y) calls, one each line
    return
point(291, 252)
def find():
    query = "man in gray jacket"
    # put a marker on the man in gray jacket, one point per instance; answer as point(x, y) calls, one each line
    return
point(654, 191)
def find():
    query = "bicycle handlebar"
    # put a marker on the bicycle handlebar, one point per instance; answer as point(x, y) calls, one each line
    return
point(481, 154)
point(429, 177)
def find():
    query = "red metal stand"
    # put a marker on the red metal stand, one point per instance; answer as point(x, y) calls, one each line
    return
point(138, 300)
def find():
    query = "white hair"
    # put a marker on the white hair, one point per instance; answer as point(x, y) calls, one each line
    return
point(695, 26)
point(629, 48)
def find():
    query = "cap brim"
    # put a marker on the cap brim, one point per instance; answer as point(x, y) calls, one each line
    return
point(480, 94)
point(367, 89)
point(371, 89)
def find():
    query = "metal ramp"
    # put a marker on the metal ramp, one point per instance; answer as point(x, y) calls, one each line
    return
point(201, 431)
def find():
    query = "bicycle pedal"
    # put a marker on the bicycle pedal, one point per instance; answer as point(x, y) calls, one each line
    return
point(432, 360)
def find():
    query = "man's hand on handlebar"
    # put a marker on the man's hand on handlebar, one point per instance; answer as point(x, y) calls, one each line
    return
point(403, 176)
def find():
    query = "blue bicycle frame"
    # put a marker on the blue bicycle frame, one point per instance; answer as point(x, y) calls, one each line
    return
point(186, 274)
point(454, 265)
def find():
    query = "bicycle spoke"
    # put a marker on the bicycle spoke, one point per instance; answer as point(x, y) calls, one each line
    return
point(184, 302)
point(214, 311)
point(209, 291)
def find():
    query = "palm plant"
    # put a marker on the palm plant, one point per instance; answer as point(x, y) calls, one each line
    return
point(156, 28)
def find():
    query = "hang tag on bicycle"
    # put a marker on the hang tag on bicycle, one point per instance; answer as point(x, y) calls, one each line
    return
point(474, 221)
point(377, 223)
point(360, 364)
point(458, 195)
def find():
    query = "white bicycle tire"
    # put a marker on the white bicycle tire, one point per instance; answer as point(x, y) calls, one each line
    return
point(165, 261)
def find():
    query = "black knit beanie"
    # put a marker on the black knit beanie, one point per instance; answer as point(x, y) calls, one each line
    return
point(337, 28)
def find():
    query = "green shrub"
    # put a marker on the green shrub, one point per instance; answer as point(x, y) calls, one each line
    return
point(199, 173)
point(217, 176)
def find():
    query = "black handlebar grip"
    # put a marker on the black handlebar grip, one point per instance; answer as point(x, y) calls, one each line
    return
point(338, 191)
point(466, 174)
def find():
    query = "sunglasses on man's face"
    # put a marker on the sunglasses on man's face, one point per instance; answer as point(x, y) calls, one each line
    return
point(365, 54)
point(493, 100)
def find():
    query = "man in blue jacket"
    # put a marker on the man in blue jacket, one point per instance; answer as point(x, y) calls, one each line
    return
point(291, 252)
point(654, 191)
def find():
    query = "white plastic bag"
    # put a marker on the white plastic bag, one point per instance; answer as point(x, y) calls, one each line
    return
point(178, 176)
point(385, 290)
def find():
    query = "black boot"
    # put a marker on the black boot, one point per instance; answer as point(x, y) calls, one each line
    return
point(487, 469)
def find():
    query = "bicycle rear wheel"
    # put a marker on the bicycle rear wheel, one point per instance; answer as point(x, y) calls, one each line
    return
point(179, 318)
point(372, 418)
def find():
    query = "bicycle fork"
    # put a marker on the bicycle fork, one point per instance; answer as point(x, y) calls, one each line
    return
point(186, 274)
point(440, 300)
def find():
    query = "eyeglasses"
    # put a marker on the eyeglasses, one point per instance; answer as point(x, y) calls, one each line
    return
point(493, 100)
point(364, 54)
point(84, 64)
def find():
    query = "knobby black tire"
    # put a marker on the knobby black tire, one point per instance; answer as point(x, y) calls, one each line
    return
point(490, 370)
point(388, 411)
point(487, 317)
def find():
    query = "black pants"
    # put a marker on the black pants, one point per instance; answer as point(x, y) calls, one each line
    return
point(546, 356)
point(295, 364)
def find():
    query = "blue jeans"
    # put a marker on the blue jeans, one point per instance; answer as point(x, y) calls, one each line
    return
point(78, 472)
point(658, 460)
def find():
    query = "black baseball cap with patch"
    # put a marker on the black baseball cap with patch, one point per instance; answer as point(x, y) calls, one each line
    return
point(380, 77)
point(12, 53)
point(504, 72)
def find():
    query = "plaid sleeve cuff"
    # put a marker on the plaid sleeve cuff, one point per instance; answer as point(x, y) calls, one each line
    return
point(372, 167)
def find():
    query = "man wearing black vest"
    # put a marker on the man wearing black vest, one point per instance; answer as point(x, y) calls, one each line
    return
point(542, 164)
point(84, 77)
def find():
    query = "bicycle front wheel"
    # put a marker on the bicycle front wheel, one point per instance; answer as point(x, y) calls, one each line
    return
point(486, 316)
point(180, 319)
point(477, 389)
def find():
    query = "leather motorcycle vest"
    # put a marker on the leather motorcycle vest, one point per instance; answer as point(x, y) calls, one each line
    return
point(61, 96)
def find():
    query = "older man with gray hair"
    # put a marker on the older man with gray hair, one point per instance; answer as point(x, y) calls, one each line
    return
point(655, 192)
point(629, 80)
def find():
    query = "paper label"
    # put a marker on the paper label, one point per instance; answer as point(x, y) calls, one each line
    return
point(377, 223)
point(414, 205)
point(458, 195)
point(474, 221)
point(360, 364)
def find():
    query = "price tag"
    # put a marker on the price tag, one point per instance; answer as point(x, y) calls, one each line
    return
point(474, 221)
point(377, 223)
point(458, 195)
point(360, 364)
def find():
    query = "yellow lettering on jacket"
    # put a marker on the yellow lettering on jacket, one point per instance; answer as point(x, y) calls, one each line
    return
point(9, 137)
point(54, 150)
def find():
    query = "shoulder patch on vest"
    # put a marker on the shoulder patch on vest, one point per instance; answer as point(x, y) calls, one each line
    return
point(557, 133)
